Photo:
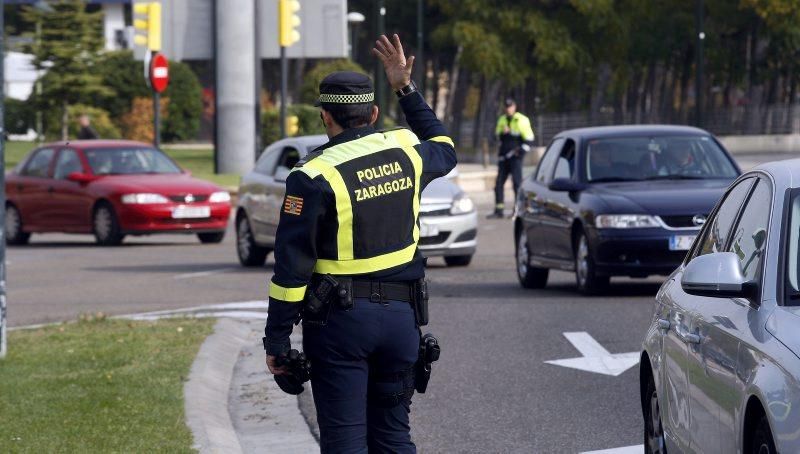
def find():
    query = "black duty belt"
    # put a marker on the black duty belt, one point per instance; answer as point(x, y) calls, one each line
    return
point(379, 292)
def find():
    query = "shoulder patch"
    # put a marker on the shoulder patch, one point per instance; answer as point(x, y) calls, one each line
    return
point(293, 205)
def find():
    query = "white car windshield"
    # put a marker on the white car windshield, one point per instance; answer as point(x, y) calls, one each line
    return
point(129, 161)
point(656, 158)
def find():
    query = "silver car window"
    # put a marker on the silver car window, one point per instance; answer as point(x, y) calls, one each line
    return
point(749, 238)
point(715, 236)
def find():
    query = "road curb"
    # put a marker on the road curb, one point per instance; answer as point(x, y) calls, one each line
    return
point(206, 392)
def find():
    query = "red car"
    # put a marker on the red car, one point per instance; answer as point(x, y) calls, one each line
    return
point(110, 188)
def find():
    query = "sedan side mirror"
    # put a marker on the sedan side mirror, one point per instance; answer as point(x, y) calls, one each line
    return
point(565, 185)
point(80, 177)
point(717, 275)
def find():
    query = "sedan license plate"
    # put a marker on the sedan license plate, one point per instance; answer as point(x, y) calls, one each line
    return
point(681, 242)
point(427, 230)
point(184, 212)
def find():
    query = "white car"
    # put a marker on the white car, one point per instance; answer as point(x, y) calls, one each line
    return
point(448, 220)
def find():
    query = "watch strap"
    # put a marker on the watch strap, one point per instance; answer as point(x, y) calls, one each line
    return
point(407, 90)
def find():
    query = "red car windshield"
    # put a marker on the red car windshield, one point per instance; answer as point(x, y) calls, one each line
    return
point(129, 161)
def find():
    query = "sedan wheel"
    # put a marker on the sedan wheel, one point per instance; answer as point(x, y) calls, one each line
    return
point(106, 226)
point(653, 430)
point(589, 283)
point(762, 438)
point(529, 276)
point(14, 233)
point(249, 252)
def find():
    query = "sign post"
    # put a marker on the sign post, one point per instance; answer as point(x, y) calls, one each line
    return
point(159, 79)
point(3, 322)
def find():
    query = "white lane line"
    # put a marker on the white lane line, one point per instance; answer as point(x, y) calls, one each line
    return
point(203, 273)
point(638, 449)
point(263, 305)
point(586, 344)
point(594, 358)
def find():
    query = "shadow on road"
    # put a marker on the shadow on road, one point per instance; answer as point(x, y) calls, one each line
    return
point(509, 292)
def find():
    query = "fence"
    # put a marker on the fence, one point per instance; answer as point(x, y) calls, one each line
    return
point(741, 120)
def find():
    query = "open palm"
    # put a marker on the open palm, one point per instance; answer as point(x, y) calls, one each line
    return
point(398, 68)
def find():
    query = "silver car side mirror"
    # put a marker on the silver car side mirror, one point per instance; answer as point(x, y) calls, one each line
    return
point(716, 275)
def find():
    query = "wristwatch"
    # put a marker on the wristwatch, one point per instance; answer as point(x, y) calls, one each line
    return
point(407, 90)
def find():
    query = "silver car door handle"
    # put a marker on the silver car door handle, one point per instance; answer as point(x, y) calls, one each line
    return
point(688, 338)
point(663, 324)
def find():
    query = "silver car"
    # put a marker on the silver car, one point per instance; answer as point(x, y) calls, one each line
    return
point(448, 220)
point(721, 361)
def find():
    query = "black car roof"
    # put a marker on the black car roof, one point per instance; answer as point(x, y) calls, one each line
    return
point(632, 131)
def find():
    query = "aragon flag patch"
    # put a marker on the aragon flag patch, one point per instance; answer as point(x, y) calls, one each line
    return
point(293, 205)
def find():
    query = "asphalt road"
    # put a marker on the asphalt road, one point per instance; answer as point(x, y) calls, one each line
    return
point(492, 390)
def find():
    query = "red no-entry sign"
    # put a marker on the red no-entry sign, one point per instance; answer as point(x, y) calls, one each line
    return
point(159, 73)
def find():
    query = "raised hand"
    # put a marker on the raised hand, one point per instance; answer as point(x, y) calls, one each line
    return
point(398, 68)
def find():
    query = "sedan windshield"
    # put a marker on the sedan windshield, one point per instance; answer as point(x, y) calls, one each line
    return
point(129, 161)
point(656, 158)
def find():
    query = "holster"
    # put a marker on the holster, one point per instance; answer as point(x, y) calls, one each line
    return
point(429, 352)
point(420, 302)
point(324, 292)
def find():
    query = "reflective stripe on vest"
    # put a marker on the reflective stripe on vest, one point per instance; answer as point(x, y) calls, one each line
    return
point(326, 164)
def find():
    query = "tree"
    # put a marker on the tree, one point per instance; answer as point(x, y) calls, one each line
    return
point(68, 50)
point(310, 90)
point(182, 119)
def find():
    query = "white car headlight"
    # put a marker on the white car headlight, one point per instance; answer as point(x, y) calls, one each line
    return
point(625, 221)
point(220, 197)
point(462, 205)
point(144, 198)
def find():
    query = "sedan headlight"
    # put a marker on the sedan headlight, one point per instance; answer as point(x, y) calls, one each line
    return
point(625, 221)
point(144, 198)
point(462, 205)
point(220, 197)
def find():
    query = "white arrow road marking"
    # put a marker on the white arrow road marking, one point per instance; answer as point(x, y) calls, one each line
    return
point(638, 449)
point(595, 358)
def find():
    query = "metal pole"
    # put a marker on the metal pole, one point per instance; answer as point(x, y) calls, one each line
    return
point(380, 77)
point(3, 322)
point(259, 75)
point(423, 70)
point(701, 36)
point(156, 119)
point(284, 78)
point(39, 122)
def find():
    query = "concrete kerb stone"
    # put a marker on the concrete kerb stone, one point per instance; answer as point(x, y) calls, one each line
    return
point(206, 392)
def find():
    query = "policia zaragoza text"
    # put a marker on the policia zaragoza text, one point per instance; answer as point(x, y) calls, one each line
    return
point(381, 186)
point(347, 263)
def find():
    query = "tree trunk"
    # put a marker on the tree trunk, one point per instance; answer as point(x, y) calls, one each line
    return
point(64, 120)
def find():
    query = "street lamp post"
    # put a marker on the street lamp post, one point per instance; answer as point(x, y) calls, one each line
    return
point(701, 36)
point(355, 19)
point(380, 78)
point(3, 321)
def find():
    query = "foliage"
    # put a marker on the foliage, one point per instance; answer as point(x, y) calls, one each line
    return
point(99, 385)
point(182, 119)
point(138, 122)
point(125, 77)
point(19, 116)
point(71, 41)
point(307, 116)
point(310, 89)
point(100, 121)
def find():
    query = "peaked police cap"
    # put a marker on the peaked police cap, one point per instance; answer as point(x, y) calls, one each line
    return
point(346, 87)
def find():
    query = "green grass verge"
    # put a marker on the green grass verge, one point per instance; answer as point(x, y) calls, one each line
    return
point(98, 386)
point(198, 161)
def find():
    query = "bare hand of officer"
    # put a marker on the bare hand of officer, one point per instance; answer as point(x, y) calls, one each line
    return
point(273, 367)
point(398, 69)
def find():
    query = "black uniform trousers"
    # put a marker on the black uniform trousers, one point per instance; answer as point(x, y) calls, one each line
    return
point(358, 360)
point(509, 166)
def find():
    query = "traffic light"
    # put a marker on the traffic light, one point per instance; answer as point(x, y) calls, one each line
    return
point(149, 24)
point(292, 125)
point(288, 21)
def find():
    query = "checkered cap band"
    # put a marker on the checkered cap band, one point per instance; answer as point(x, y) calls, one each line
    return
point(347, 99)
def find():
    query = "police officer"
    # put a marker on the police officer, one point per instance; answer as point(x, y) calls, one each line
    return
point(349, 222)
point(515, 134)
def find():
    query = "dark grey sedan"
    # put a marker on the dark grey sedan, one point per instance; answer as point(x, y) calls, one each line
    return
point(721, 360)
point(448, 220)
